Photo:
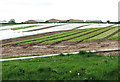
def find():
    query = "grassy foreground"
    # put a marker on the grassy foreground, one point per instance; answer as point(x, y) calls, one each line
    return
point(82, 66)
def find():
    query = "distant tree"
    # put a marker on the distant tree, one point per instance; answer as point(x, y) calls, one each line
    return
point(108, 21)
point(12, 21)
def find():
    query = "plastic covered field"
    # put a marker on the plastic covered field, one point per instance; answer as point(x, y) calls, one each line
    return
point(8, 33)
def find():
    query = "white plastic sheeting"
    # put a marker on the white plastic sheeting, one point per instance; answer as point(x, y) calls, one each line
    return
point(38, 27)
point(96, 26)
point(7, 34)
point(15, 26)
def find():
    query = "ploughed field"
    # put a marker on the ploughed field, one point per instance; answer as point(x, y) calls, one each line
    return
point(63, 41)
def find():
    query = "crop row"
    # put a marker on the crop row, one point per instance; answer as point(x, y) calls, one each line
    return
point(67, 34)
point(47, 37)
point(114, 37)
point(103, 35)
point(89, 35)
point(70, 36)
point(59, 36)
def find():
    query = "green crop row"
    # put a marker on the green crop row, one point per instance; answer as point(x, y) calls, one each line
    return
point(25, 27)
point(114, 37)
point(51, 38)
point(45, 37)
point(88, 35)
point(61, 36)
point(60, 39)
point(103, 35)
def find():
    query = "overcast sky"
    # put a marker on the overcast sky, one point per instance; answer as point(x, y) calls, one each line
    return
point(22, 10)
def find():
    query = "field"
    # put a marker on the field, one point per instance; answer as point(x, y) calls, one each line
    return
point(61, 38)
point(74, 35)
point(82, 66)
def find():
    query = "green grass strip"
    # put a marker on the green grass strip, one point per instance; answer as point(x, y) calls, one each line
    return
point(105, 34)
point(88, 35)
point(25, 27)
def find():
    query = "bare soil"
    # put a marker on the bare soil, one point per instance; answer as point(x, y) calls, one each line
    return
point(68, 47)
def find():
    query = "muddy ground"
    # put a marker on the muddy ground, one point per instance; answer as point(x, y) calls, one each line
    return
point(69, 47)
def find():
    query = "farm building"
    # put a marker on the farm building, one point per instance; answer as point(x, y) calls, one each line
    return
point(4, 21)
point(93, 20)
point(53, 20)
point(30, 21)
point(75, 20)
point(63, 21)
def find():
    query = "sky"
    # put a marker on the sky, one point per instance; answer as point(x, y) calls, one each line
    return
point(22, 10)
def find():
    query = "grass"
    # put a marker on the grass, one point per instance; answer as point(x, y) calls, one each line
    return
point(105, 34)
point(82, 66)
point(25, 27)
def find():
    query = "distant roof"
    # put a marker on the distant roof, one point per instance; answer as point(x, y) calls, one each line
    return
point(3, 21)
point(93, 20)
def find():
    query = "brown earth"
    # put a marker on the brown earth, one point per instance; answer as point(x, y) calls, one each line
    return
point(68, 47)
